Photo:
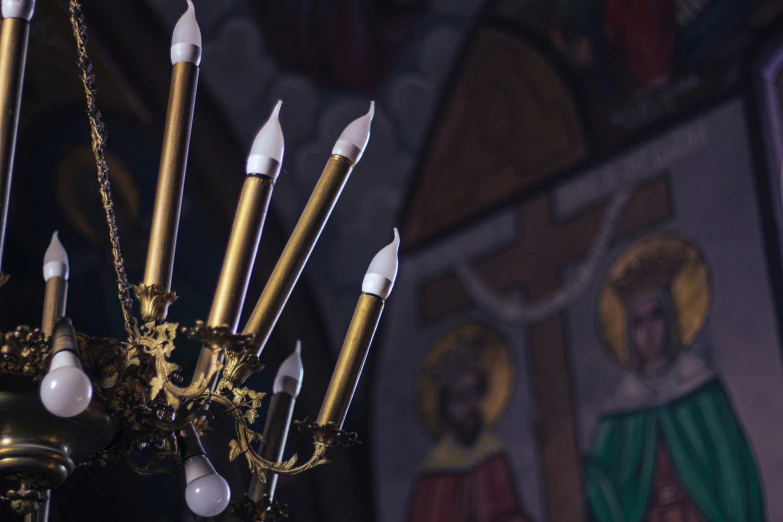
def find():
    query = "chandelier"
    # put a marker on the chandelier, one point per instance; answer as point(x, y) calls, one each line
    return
point(70, 399)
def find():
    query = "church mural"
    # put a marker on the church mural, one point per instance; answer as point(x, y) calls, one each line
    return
point(464, 387)
point(668, 444)
point(635, 299)
point(645, 61)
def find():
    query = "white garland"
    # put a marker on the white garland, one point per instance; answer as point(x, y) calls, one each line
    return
point(516, 312)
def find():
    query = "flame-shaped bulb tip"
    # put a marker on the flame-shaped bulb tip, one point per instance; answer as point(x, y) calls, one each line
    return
point(382, 272)
point(55, 262)
point(291, 373)
point(266, 154)
point(186, 39)
point(354, 139)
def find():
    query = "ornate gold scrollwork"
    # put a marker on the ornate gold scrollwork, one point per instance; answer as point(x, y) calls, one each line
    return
point(28, 497)
point(136, 382)
point(157, 341)
point(24, 351)
point(243, 407)
point(169, 451)
point(154, 301)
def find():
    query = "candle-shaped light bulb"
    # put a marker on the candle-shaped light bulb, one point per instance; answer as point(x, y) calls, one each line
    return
point(23, 9)
point(353, 140)
point(376, 288)
point(345, 154)
point(288, 384)
point(382, 271)
point(291, 373)
point(186, 40)
point(55, 263)
point(266, 154)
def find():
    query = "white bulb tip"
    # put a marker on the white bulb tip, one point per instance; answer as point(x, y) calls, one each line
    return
point(23, 9)
point(291, 373)
point(55, 263)
point(266, 154)
point(382, 272)
point(354, 139)
point(186, 39)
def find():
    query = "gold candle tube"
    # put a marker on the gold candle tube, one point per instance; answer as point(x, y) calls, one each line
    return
point(54, 303)
point(278, 422)
point(345, 155)
point(241, 252)
point(288, 383)
point(351, 361)
point(14, 37)
point(239, 260)
point(376, 288)
point(55, 271)
point(263, 167)
point(171, 178)
point(297, 251)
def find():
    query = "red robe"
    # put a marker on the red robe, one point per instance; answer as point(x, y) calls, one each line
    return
point(459, 486)
point(669, 502)
point(644, 33)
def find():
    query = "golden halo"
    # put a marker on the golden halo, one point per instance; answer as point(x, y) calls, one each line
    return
point(494, 361)
point(690, 291)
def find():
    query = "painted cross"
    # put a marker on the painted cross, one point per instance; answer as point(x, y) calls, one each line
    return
point(535, 264)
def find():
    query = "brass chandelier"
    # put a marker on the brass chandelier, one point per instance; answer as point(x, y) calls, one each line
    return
point(70, 399)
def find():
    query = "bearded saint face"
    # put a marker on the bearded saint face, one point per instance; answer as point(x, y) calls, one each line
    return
point(460, 407)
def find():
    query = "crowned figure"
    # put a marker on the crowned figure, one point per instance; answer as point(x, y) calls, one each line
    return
point(668, 446)
point(467, 476)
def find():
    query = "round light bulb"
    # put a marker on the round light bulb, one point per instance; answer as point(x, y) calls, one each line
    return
point(208, 496)
point(66, 391)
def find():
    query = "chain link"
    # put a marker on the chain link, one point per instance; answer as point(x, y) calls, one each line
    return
point(99, 137)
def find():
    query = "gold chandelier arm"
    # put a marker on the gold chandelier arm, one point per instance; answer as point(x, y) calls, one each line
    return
point(157, 341)
point(246, 437)
point(98, 132)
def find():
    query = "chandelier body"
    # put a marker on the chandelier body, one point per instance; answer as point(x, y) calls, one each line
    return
point(134, 396)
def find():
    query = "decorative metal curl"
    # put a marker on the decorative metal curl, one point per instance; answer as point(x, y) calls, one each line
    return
point(244, 402)
point(155, 465)
point(157, 341)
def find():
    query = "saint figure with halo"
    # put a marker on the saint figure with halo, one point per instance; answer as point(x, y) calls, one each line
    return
point(668, 446)
point(464, 388)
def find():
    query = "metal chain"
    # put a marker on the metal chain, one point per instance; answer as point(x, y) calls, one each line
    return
point(99, 137)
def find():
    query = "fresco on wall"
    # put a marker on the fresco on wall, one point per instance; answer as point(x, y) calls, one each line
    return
point(643, 61)
point(669, 421)
point(465, 383)
point(637, 304)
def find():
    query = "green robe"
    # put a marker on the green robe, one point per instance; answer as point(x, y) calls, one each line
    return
point(707, 448)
